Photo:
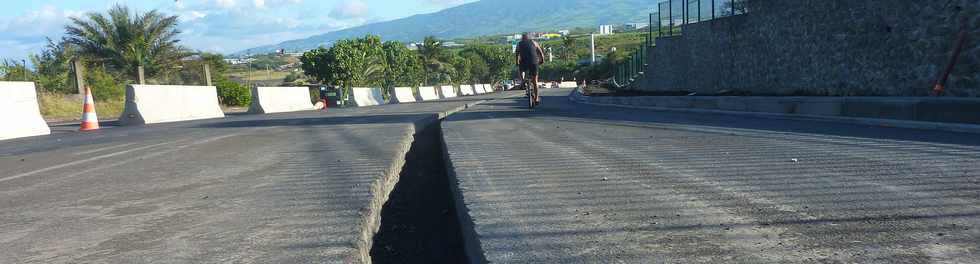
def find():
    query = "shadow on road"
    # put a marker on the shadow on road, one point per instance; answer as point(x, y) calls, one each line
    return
point(558, 108)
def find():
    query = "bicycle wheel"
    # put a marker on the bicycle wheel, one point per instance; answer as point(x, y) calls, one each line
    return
point(530, 96)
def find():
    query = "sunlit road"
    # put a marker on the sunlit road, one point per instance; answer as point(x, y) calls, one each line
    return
point(570, 183)
point(286, 188)
point(565, 183)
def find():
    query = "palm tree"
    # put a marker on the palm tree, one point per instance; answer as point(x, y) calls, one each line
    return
point(432, 54)
point(125, 40)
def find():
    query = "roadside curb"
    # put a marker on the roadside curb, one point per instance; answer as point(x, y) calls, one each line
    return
point(577, 97)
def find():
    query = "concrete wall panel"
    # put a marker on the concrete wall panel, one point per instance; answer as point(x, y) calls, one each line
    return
point(151, 104)
point(429, 93)
point(368, 96)
point(267, 100)
point(18, 102)
point(405, 95)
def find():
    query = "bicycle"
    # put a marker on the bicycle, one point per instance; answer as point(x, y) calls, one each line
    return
point(532, 95)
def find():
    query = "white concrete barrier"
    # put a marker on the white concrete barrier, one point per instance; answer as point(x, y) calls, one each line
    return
point(267, 100)
point(478, 88)
point(428, 93)
point(368, 97)
point(488, 87)
point(18, 102)
point(151, 104)
point(448, 91)
point(567, 85)
point(467, 89)
point(405, 95)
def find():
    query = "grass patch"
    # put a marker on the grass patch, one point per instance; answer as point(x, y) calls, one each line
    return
point(61, 107)
point(258, 75)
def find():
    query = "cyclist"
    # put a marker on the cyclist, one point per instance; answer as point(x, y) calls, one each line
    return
point(529, 57)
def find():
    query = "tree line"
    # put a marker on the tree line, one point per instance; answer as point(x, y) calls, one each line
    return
point(371, 62)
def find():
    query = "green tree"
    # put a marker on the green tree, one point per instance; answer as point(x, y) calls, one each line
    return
point(53, 68)
point(319, 65)
point(479, 69)
point(404, 66)
point(433, 58)
point(360, 62)
point(459, 72)
point(498, 59)
point(12, 70)
point(125, 40)
point(349, 63)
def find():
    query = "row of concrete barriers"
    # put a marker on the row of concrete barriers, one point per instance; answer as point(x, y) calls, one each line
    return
point(151, 104)
point(431, 93)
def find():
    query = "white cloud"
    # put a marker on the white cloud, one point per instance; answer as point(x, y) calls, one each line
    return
point(226, 3)
point(24, 34)
point(352, 9)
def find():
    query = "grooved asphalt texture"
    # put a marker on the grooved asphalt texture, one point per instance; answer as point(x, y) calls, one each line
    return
point(570, 183)
point(282, 188)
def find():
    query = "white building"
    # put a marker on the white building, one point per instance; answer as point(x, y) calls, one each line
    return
point(605, 30)
point(239, 61)
point(636, 26)
point(565, 32)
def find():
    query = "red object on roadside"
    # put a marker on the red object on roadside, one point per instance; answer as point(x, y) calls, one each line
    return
point(940, 86)
point(90, 120)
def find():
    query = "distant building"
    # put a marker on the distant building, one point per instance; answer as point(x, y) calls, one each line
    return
point(565, 32)
point(239, 61)
point(605, 30)
point(635, 26)
point(451, 44)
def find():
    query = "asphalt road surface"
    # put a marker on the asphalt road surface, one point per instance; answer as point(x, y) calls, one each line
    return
point(570, 183)
point(283, 188)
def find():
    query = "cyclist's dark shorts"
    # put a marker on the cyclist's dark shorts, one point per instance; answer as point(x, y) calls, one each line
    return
point(530, 69)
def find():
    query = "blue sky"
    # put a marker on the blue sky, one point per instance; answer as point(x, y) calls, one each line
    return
point(212, 25)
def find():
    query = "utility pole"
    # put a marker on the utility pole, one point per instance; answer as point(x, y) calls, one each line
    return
point(79, 75)
point(248, 71)
point(26, 78)
point(207, 74)
point(142, 77)
point(551, 55)
point(593, 49)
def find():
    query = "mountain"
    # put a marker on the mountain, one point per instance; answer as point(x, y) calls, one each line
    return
point(486, 17)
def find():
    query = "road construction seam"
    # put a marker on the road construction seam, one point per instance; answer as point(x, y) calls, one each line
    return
point(471, 243)
point(382, 188)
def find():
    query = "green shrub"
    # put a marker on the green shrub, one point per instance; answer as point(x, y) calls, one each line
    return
point(233, 94)
point(104, 86)
point(293, 77)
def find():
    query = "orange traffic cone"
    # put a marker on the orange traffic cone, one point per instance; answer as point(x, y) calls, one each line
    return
point(90, 121)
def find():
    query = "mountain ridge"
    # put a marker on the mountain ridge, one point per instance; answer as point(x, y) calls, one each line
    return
point(485, 17)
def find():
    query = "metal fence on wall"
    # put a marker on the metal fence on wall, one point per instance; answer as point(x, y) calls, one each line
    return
point(670, 15)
